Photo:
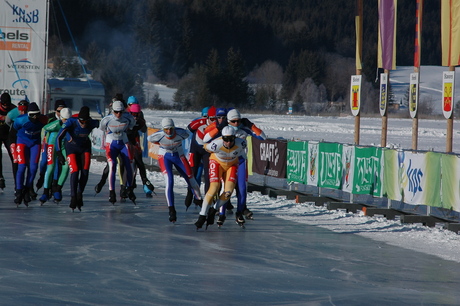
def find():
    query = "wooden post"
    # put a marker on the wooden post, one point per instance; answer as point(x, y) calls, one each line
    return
point(359, 39)
point(450, 124)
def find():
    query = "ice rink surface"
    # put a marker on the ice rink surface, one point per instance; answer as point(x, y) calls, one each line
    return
point(132, 255)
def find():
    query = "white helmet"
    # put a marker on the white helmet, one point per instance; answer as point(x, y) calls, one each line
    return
point(228, 131)
point(233, 115)
point(118, 106)
point(66, 113)
point(167, 123)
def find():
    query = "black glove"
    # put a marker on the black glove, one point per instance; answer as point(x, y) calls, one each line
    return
point(247, 123)
point(221, 125)
point(60, 157)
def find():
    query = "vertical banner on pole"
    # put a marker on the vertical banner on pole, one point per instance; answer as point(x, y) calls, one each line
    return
point(413, 94)
point(383, 93)
point(386, 54)
point(448, 81)
point(450, 32)
point(355, 94)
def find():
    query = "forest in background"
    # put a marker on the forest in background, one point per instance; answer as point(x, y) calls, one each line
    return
point(248, 54)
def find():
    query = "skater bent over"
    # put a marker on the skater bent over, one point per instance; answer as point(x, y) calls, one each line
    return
point(75, 133)
point(243, 128)
point(226, 152)
point(5, 107)
point(116, 126)
point(29, 128)
point(55, 174)
point(198, 156)
point(172, 153)
point(135, 146)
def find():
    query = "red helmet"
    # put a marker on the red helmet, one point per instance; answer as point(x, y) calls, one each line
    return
point(134, 108)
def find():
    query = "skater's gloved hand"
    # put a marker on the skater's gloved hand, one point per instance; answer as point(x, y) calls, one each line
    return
point(221, 125)
point(60, 157)
point(246, 122)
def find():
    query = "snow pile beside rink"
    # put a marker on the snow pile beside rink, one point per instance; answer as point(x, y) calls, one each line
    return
point(434, 241)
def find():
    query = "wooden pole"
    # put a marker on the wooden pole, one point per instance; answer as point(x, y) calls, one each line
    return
point(450, 125)
point(359, 39)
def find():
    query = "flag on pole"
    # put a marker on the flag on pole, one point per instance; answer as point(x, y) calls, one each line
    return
point(359, 33)
point(418, 32)
point(450, 32)
point(387, 34)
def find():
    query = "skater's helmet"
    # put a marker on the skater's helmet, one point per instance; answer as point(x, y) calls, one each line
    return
point(118, 106)
point(233, 115)
point(167, 123)
point(221, 112)
point(204, 112)
point(228, 131)
point(132, 100)
point(66, 113)
point(134, 108)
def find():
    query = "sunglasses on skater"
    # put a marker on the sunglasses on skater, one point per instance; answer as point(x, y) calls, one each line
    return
point(212, 118)
point(168, 128)
point(117, 112)
point(235, 121)
point(228, 138)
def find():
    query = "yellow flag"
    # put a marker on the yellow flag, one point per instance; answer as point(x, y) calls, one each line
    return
point(450, 32)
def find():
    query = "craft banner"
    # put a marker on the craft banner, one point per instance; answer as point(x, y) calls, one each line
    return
point(297, 161)
point(348, 166)
point(23, 43)
point(422, 178)
point(383, 93)
point(448, 81)
point(330, 165)
point(269, 157)
point(312, 171)
point(413, 94)
point(355, 94)
point(450, 32)
point(450, 182)
point(368, 171)
point(392, 184)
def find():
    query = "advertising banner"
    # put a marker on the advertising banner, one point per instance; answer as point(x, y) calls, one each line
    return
point(392, 184)
point(312, 171)
point(421, 177)
point(330, 165)
point(23, 42)
point(297, 161)
point(450, 182)
point(368, 174)
point(269, 157)
point(348, 165)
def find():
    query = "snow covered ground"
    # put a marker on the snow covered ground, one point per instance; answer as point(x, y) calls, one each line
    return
point(435, 241)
